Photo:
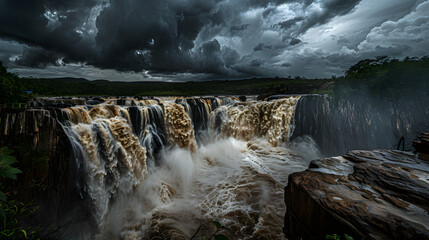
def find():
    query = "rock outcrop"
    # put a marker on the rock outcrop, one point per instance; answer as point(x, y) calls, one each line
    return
point(44, 156)
point(32, 134)
point(380, 194)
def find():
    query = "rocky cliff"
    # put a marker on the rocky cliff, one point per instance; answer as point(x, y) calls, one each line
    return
point(44, 155)
point(380, 194)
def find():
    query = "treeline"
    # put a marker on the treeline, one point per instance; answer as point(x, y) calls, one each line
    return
point(255, 86)
point(386, 77)
point(11, 87)
point(73, 87)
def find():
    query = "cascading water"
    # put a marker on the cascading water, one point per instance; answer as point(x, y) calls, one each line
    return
point(342, 124)
point(159, 169)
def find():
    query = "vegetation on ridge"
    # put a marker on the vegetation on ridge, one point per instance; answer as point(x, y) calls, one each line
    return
point(11, 87)
point(255, 86)
point(386, 77)
point(381, 76)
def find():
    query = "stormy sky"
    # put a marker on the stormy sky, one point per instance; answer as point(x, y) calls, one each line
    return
point(134, 40)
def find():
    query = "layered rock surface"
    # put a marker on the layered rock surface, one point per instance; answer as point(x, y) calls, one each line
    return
point(380, 194)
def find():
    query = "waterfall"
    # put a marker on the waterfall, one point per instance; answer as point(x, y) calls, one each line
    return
point(339, 125)
point(271, 120)
point(160, 168)
point(146, 161)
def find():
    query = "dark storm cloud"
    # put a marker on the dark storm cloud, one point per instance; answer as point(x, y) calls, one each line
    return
point(237, 29)
point(289, 23)
point(256, 63)
point(212, 37)
point(319, 12)
point(261, 47)
point(131, 35)
point(330, 9)
point(268, 11)
point(230, 56)
point(343, 41)
point(48, 24)
point(210, 58)
point(294, 41)
point(258, 47)
point(37, 58)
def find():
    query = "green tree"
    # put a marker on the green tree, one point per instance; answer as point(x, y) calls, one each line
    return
point(386, 77)
point(11, 210)
point(6, 171)
point(11, 89)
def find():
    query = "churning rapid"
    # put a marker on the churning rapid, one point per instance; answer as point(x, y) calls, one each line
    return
point(163, 168)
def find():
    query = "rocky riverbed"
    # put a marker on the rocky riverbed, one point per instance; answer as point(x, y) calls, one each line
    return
point(380, 194)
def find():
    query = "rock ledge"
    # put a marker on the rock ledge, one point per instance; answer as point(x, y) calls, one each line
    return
point(380, 194)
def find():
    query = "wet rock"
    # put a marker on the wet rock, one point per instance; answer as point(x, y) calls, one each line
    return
point(242, 98)
point(30, 123)
point(95, 101)
point(421, 144)
point(58, 102)
point(380, 194)
point(263, 96)
point(44, 155)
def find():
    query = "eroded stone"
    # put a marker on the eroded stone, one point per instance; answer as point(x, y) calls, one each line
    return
point(380, 194)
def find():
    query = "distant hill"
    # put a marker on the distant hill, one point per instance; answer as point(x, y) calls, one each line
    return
point(255, 86)
point(71, 79)
point(381, 76)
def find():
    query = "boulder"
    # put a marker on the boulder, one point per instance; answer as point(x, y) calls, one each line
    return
point(379, 194)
